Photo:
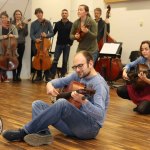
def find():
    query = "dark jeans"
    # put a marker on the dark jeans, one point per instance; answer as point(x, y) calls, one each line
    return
point(142, 108)
point(33, 53)
point(65, 49)
point(20, 50)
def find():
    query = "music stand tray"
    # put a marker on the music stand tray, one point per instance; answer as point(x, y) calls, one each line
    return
point(111, 49)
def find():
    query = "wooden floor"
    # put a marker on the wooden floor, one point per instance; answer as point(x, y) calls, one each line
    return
point(122, 130)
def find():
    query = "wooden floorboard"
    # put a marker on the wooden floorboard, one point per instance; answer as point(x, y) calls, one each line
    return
point(122, 130)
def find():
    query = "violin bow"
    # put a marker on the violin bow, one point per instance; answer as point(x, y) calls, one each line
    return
point(25, 8)
point(3, 5)
point(21, 20)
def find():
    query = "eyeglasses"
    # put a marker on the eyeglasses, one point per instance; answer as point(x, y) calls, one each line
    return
point(79, 66)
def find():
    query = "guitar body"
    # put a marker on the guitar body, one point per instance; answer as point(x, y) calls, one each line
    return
point(73, 86)
point(79, 88)
point(135, 80)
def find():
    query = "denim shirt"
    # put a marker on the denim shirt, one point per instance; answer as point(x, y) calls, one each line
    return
point(140, 60)
point(97, 105)
point(37, 28)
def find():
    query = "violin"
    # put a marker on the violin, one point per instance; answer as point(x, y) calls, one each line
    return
point(79, 88)
point(81, 33)
point(135, 80)
point(21, 24)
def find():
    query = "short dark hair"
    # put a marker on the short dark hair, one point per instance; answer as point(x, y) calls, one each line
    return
point(64, 10)
point(87, 55)
point(38, 10)
point(4, 13)
point(98, 9)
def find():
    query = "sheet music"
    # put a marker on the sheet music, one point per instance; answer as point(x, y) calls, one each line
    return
point(109, 48)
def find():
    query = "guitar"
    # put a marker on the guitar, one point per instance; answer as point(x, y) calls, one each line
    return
point(81, 33)
point(133, 76)
point(79, 88)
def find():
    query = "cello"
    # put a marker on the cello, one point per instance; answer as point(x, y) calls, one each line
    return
point(109, 67)
point(106, 36)
point(42, 60)
point(8, 60)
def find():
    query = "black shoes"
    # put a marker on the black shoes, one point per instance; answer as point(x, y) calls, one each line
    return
point(16, 79)
point(38, 79)
point(34, 139)
point(47, 79)
point(135, 109)
point(14, 135)
point(62, 75)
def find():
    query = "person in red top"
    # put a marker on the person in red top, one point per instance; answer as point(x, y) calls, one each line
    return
point(139, 95)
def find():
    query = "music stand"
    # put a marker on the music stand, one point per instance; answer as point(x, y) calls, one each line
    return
point(111, 50)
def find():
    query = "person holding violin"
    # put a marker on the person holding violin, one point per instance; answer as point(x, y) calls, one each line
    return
point(5, 28)
point(22, 28)
point(83, 123)
point(63, 44)
point(101, 24)
point(141, 97)
point(40, 28)
point(84, 30)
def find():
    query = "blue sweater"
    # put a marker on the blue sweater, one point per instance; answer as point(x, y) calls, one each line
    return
point(97, 105)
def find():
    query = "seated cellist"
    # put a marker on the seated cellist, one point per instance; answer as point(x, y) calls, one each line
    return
point(140, 97)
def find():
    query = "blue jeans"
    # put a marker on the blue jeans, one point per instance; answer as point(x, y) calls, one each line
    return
point(95, 56)
point(63, 116)
point(58, 50)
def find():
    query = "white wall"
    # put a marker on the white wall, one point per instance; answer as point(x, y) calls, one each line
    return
point(129, 21)
point(130, 24)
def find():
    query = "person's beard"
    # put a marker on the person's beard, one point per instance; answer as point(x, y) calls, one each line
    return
point(87, 74)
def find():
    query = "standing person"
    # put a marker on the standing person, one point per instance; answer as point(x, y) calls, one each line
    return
point(102, 24)
point(84, 30)
point(5, 28)
point(36, 32)
point(82, 123)
point(141, 97)
point(63, 28)
point(22, 28)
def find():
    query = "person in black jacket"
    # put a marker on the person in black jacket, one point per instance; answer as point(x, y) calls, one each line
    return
point(63, 28)
point(101, 23)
